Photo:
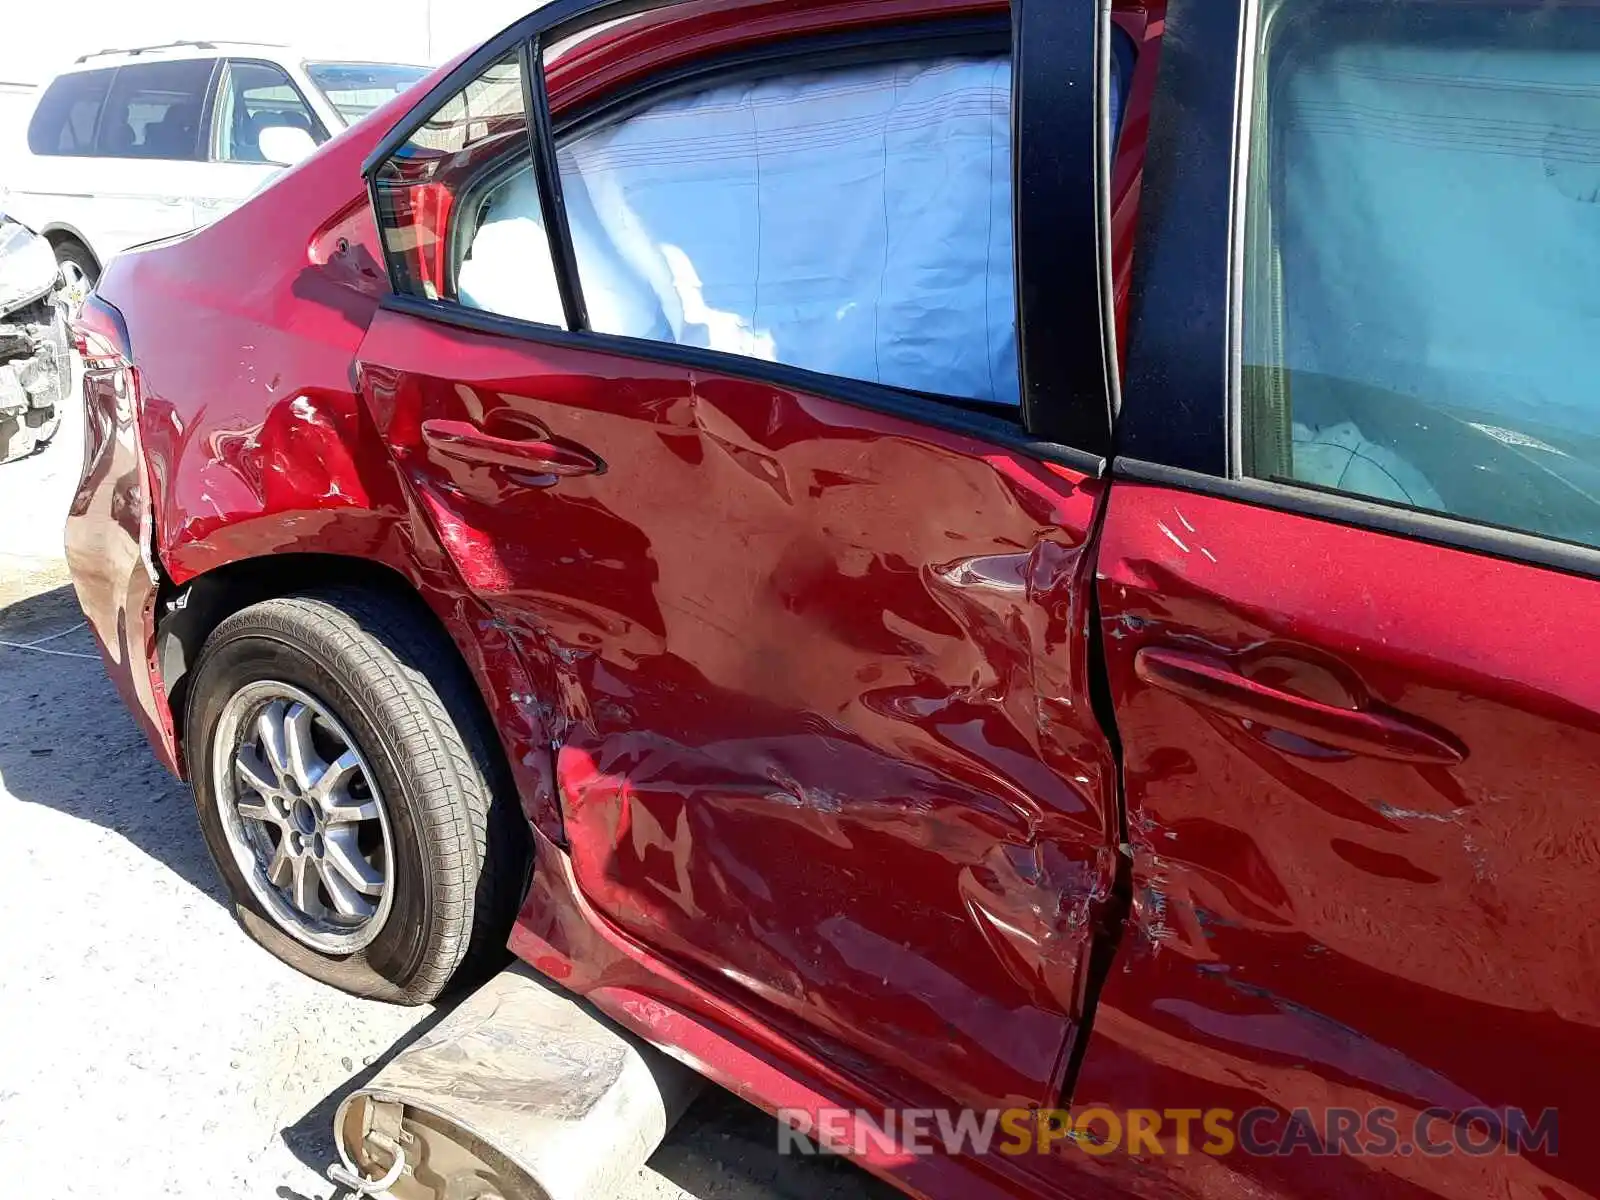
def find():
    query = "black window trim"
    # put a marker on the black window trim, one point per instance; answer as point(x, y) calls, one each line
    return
point(1179, 424)
point(1175, 380)
point(1064, 279)
point(547, 172)
point(1067, 392)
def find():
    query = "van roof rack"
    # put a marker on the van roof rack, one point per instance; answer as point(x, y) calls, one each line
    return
point(136, 50)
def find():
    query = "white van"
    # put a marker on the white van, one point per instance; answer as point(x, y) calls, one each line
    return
point(133, 145)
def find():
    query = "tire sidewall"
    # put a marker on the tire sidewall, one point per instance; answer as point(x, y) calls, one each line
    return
point(74, 252)
point(386, 967)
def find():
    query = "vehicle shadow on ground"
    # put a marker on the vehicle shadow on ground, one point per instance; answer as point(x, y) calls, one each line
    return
point(725, 1147)
point(67, 742)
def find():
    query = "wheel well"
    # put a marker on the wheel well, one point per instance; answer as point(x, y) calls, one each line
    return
point(188, 613)
point(56, 236)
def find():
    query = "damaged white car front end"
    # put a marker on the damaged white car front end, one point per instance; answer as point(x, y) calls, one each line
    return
point(35, 361)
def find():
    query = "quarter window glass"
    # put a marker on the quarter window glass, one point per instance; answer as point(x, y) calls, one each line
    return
point(459, 208)
point(1422, 236)
point(258, 96)
point(852, 221)
point(68, 112)
point(154, 110)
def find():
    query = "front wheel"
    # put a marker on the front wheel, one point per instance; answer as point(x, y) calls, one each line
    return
point(79, 273)
point(343, 781)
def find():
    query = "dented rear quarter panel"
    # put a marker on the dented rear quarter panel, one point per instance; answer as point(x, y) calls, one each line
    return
point(255, 441)
point(1315, 928)
point(108, 546)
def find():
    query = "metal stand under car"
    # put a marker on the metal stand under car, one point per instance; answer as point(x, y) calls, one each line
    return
point(522, 1093)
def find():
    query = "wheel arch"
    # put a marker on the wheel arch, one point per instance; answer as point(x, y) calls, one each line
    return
point(57, 232)
point(189, 612)
point(501, 685)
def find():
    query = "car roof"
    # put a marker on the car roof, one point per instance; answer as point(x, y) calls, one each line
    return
point(178, 51)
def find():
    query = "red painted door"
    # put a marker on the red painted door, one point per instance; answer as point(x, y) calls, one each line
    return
point(1361, 774)
point(820, 680)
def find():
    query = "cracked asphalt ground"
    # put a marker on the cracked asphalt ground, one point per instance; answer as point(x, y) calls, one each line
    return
point(147, 1047)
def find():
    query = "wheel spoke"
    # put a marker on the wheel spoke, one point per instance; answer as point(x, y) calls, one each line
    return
point(280, 873)
point(345, 809)
point(331, 789)
point(255, 774)
point(258, 808)
point(269, 729)
point(342, 855)
point(347, 900)
point(303, 763)
point(304, 891)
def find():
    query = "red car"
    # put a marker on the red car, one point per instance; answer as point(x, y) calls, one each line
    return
point(940, 557)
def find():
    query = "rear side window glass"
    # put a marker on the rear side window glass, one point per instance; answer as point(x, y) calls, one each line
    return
point(459, 206)
point(68, 113)
point(853, 221)
point(1421, 241)
point(257, 96)
point(154, 110)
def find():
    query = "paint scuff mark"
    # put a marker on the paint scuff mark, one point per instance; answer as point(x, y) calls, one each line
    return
point(1176, 540)
point(1413, 814)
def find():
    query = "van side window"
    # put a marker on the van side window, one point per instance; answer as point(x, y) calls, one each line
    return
point(68, 113)
point(155, 110)
point(1420, 254)
point(256, 96)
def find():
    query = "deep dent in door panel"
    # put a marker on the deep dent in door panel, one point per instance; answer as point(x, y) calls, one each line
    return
point(1314, 928)
point(784, 616)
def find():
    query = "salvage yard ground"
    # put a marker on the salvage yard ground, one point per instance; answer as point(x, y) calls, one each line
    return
point(148, 1048)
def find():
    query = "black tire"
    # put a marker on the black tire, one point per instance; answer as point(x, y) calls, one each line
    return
point(396, 685)
point(71, 250)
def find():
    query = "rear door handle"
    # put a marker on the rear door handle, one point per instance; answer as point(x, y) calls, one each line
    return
point(467, 443)
point(1207, 682)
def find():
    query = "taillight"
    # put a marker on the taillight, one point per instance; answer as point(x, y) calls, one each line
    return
point(110, 380)
point(101, 337)
point(415, 197)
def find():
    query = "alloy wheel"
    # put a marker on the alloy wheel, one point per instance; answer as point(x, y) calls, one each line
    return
point(75, 287)
point(303, 817)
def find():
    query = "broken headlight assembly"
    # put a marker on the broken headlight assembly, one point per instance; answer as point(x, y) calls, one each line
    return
point(35, 362)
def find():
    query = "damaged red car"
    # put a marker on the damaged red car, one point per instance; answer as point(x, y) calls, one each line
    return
point(922, 555)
